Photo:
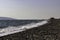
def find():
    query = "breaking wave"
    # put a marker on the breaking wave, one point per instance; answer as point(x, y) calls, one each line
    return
point(11, 30)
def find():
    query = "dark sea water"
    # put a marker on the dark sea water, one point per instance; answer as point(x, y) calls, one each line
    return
point(7, 23)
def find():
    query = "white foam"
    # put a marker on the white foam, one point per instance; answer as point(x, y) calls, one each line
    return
point(11, 30)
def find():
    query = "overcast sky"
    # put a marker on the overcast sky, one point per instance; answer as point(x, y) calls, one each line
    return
point(30, 9)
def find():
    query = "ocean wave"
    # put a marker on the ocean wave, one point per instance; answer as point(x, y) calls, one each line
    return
point(12, 29)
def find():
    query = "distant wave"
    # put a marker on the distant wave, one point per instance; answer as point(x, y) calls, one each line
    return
point(11, 30)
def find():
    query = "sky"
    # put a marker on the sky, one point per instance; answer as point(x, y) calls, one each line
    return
point(30, 9)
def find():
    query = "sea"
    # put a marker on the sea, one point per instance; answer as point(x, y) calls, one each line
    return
point(8, 27)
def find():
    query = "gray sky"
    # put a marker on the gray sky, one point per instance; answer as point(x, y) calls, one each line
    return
point(30, 9)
